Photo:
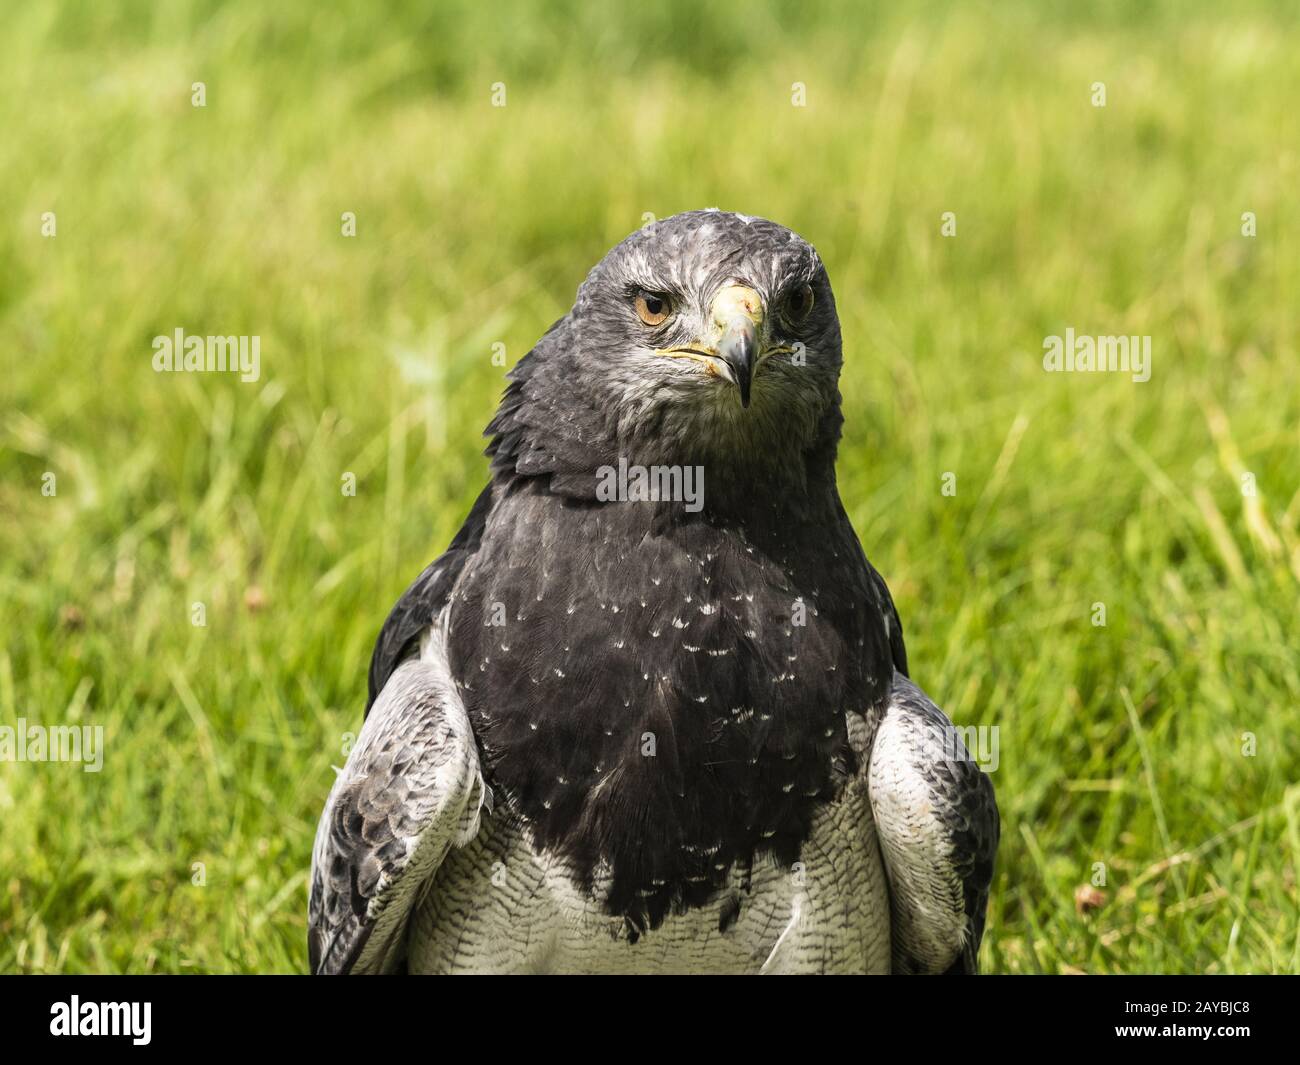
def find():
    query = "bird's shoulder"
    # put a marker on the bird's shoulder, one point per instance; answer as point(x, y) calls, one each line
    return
point(418, 606)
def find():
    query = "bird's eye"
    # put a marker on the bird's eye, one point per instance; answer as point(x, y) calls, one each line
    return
point(653, 308)
point(799, 302)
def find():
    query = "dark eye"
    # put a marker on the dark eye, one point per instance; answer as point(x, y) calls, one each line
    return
point(799, 302)
point(653, 308)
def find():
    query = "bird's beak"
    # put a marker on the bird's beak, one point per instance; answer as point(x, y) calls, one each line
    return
point(737, 315)
point(737, 350)
point(731, 349)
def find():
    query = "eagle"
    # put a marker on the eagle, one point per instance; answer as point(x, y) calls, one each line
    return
point(650, 712)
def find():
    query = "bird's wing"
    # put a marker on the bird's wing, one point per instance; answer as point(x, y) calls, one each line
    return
point(937, 822)
point(411, 790)
point(423, 601)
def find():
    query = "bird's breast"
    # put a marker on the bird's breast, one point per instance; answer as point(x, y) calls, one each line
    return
point(658, 708)
point(503, 905)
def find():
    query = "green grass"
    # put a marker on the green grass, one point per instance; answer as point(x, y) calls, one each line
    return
point(1119, 745)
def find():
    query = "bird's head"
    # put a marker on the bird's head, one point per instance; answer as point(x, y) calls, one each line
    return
point(704, 337)
point(717, 323)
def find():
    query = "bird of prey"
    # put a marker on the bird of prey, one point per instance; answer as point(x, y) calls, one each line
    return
point(650, 711)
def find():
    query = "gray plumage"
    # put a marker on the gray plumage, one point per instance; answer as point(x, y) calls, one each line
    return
point(644, 735)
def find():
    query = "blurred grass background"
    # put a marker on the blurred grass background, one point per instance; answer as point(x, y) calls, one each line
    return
point(1120, 744)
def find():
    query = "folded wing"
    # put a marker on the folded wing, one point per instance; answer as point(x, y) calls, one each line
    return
point(938, 827)
point(410, 791)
